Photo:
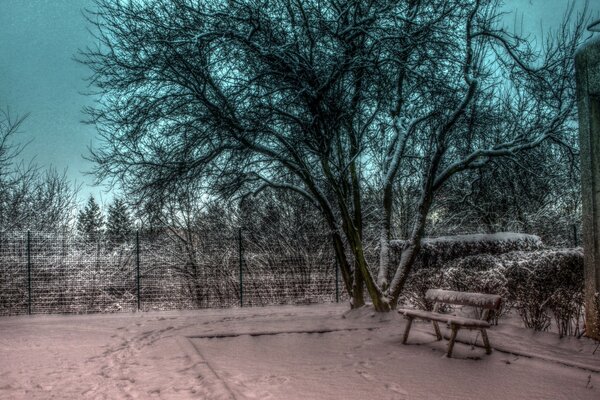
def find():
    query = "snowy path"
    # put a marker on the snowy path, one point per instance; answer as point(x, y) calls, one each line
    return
point(257, 353)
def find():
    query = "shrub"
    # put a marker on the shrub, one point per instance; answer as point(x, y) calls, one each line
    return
point(542, 285)
point(545, 284)
point(437, 254)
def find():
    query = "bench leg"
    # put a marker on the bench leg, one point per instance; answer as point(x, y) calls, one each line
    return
point(486, 341)
point(436, 327)
point(452, 339)
point(407, 329)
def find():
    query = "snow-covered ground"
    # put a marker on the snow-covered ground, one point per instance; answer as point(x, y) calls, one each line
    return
point(308, 352)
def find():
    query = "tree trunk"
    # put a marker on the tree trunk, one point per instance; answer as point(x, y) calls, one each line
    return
point(384, 241)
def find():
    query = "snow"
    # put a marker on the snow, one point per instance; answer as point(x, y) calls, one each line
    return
point(484, 237)
point(446, 248)
point(291, 352)
point(464, 298)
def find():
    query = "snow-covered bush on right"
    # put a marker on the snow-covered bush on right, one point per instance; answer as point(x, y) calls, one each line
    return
point(546, 284)
point(543, 286)
point(438, 254)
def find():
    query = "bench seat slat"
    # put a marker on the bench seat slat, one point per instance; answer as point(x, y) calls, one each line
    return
point(449, 319)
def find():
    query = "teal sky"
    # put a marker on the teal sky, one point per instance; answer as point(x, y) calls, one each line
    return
point(38, 39)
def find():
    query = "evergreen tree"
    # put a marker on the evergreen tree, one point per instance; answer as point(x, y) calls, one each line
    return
point(119, 223)
point(90, 222)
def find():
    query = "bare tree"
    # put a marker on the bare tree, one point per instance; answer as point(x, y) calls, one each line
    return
point(536, 192)
point(30, 198)
point(328, 99)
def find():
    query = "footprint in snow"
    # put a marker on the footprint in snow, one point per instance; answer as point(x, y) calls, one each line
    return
point(365, 375)
point(397, 389)
point(364, 364)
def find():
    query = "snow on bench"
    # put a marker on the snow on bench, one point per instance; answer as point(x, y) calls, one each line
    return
point(486, 302)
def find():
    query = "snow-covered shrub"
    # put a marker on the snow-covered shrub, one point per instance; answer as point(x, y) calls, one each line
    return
point(437, 253)
point(541, 284)
point(546, 283)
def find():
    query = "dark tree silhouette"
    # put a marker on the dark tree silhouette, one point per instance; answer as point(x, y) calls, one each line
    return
point(90, 221)
point(119, 225)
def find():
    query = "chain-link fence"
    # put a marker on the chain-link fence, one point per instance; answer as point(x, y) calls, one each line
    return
point(61, 273)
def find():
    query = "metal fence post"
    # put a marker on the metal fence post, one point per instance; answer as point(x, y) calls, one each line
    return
point(29, 272)
point(241, 262)
point(137, 267)
point(337, 281)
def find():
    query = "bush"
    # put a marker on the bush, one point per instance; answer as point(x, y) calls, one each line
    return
point(542, 285)
point(437, 254)
point(546, 284)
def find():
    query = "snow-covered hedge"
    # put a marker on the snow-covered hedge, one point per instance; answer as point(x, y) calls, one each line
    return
point(540, 285)
point(437, 253)
point(547, 283)
point(440, 250)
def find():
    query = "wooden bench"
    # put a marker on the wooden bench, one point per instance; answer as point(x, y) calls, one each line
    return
point(486, 302)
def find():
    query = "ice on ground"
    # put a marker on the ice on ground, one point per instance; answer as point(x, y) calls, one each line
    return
point(258, 353)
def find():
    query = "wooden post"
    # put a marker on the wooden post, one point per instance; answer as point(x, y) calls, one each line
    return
point(137, 269)
point(486, 341)
point(337, 281)
point(452, 340)
point(407, 329)
point(587, 72)
point(436, 327)
point(29, 299)
point(241, 265)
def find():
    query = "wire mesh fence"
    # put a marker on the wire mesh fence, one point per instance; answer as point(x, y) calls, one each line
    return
point(61, 273)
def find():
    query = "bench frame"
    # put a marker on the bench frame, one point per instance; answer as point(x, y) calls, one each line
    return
point(486, 302)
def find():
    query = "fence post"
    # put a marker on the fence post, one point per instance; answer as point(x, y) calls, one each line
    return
point(29, 272)
point(241, 262)
point(137, 267)
point(337, 281)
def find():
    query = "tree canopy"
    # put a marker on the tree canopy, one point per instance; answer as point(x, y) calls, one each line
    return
point(329, 99)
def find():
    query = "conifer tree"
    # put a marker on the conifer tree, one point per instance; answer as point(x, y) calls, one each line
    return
point(119, 223)
point(90, 221)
